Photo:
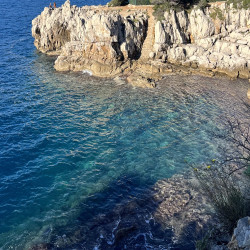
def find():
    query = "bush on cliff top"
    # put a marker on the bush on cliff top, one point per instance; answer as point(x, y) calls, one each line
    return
point(239, 4)
point(180, 4)
point(114, 3)
point(161, 6)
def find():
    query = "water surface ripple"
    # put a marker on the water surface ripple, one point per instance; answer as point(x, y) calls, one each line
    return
point(74, 146)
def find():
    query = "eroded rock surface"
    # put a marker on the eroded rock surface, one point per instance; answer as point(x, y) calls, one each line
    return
point(241, 235)
point(91, 38)
point(117, 41)
point(216, 39)
point(171, 214)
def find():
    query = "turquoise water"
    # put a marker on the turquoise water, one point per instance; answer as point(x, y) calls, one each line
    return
point(74, 147)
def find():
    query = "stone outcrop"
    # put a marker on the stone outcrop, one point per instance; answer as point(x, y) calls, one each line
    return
point(183, 207)
point(241, 235)
point(117, 41)
point(91, 38)
point(215, 39)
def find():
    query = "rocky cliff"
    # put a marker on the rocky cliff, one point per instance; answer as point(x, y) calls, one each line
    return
point(122, 40)
point(94, 38)
point(217, 38)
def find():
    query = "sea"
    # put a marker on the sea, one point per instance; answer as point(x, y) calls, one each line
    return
point(75, 149)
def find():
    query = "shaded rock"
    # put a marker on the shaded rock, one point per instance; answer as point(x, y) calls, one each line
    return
point(42, 246)
point(123, 232)
point(241, 235)
point(183, 208)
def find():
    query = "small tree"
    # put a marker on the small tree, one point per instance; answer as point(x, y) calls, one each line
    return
point(226, 184)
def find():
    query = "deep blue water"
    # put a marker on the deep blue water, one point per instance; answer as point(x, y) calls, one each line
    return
point(73, 145)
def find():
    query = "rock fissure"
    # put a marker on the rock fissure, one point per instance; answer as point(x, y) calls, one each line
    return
point(97, 38)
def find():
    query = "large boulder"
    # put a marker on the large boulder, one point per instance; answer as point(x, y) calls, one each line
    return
point(241, 236)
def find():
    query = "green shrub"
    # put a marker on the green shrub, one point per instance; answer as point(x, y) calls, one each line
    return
point(239, 4)
point(139, 2)
point(160, 9)
point(202, 4)
point(217, 13)
point(224, 194)
point(204, 243)
point(114, 3)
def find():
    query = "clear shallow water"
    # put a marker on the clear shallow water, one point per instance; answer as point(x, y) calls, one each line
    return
point(74, 146)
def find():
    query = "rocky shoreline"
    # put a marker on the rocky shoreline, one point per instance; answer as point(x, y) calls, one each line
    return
point(171, 213)
point(128, 41)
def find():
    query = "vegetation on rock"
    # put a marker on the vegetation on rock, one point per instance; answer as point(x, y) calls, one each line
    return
point(239, 4)
point(225, 194)
point(161, 6)
point(204, 243)
point(217, 13)
point(114, 3)
point(227, 184)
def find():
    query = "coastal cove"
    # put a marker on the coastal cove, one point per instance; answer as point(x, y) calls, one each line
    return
point(87, 161)
point(129, 41)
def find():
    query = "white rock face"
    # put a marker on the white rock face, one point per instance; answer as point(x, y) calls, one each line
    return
point(222, 43)
point(101, 39)
point(101, 35)
point(201, 25)
point(172, 31)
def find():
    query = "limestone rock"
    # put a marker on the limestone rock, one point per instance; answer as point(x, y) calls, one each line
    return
point(176, 54)
point(109, 41)
point(160, 34)
point(151, 55)
point(85, 35)
point(171, 31)
point(137, 80)
point(241, 235)
point(201, 25)
point(221, 45)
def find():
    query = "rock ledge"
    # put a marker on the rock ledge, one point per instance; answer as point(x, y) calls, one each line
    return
point(113, 41)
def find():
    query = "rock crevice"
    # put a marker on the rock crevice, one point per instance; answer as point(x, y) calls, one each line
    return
point(115, 41)
point(215, 43)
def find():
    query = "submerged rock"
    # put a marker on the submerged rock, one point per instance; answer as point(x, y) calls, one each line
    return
point(171, 213)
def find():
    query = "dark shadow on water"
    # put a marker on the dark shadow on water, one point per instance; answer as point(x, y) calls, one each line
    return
point(124, 222)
